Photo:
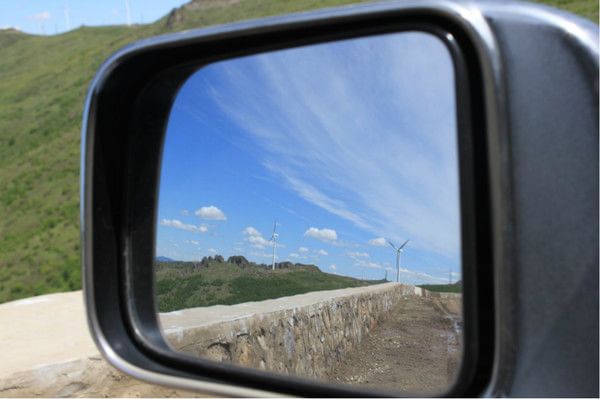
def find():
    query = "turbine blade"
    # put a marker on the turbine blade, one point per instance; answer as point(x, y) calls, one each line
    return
point(274, 229)
point(403, 245)
point(392, 245)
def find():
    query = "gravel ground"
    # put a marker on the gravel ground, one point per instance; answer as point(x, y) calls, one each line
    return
point(415, 350)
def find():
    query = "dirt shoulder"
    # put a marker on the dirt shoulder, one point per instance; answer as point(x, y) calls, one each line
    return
point(415, 350)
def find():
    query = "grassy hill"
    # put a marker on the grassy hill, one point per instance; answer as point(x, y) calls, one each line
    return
point(213, 281)
point(43, 81)
point(456, 287)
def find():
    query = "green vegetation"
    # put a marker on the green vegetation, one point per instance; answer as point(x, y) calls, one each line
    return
point(43, 81)
point(456, 287)
point(585, 8)
point(181, 285)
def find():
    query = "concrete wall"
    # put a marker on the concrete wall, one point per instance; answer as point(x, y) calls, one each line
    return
point(304, 335)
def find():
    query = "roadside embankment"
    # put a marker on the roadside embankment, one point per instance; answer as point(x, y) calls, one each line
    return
point(304, 335)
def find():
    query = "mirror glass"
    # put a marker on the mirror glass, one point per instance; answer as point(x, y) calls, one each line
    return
point(308, 219)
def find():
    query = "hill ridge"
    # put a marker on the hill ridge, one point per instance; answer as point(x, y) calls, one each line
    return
point(43, 83)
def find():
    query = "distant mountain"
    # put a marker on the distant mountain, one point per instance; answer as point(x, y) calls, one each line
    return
point(164, 259)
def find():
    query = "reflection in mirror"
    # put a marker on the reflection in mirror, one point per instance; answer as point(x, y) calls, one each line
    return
point(308, 219)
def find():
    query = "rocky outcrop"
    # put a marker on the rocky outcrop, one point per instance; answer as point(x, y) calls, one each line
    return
point(238, 260)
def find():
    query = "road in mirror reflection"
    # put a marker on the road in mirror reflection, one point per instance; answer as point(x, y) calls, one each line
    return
point(308, 219)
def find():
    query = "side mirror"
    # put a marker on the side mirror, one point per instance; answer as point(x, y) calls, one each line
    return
point(247, 189)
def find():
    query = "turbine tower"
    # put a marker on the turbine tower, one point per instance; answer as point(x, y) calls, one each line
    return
point(274, 237)
point(128, 12)
point(398, 251)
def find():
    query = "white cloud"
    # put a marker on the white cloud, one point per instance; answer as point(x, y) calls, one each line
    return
point(294, 255)
point(212, 250)
point(374, 265)
point(255, 238)
point(302, 249)
point(322, 252)
point(356, 255)
point(42, 16)
point(378, 242)
point(210, 212)
point(325, 235)
point(183, 226)
point(251, 231)
point(366, 263)
point(333, 267)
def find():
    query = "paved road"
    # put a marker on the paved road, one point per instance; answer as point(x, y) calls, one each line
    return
point(415, 350)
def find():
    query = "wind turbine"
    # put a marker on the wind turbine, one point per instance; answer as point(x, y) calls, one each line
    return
point(398, 251)
point(274, 237)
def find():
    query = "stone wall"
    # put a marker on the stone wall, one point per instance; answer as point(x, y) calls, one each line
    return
point(304, 335)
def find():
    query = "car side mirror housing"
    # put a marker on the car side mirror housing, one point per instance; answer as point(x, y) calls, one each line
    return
point(514, 112)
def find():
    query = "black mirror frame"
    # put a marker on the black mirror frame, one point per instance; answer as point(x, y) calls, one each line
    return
point(124, 125)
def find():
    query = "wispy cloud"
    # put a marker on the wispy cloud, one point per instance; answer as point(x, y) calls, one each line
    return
point(183, 226)
point(366, 132)
point(325, 235)
point(210, 212)
point(356, 255)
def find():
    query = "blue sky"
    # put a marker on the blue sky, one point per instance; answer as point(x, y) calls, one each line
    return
point(57, 16)
point(347, 145)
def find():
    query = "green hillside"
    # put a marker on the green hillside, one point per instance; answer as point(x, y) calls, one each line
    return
point(456, 287)
point(43, 81)
point(181, 285)
point(585, 8)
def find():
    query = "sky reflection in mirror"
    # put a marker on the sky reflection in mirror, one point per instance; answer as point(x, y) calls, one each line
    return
point(346, 145)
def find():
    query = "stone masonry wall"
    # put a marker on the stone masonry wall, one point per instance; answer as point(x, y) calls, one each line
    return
point(304, 335)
